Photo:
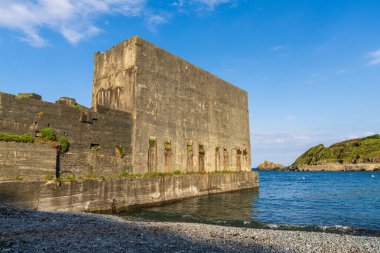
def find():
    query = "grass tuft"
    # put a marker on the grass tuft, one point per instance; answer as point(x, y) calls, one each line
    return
point(120, 151)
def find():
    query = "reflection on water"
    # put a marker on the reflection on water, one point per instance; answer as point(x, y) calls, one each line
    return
point(225, 206)
point(318, 201)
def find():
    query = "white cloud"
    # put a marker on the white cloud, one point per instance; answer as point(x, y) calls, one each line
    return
point(212, 3)
point(285, 146)
point(279, 47)
point(73, 19)
point(154, 20)
point(341, 71)
point(200, 5)
point(352, 136)
point(265, 139)
point(290, 117)
point(375, 57)
point(368, 133)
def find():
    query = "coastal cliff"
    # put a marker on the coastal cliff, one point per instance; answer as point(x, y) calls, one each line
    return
point(361, 154)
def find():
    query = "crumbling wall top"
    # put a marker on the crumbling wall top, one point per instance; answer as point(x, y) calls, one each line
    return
point(30, 95)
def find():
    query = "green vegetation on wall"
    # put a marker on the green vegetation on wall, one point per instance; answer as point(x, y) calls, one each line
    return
point(120, 151)
point(351, 151)
point(152, 142)
point(18, 178)
point(48, 176)
point(63, 145)
point(95, 147)
point(16, 138)
point(168, 145)
point(48, 134)
point(76, 106)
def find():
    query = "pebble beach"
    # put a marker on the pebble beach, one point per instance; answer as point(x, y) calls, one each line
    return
point(32, 231)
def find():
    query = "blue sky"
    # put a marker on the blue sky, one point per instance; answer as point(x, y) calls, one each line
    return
point(311, 67)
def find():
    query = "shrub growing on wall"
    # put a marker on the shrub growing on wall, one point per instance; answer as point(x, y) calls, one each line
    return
point(48, 134)
point(64, 145)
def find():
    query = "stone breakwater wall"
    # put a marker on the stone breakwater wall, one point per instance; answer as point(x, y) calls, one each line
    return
point(116, 195)
point(341, 167)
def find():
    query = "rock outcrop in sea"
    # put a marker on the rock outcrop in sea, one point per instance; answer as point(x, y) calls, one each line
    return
point(267, 165)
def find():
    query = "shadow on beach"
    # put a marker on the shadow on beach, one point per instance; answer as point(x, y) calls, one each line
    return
point(32, 231)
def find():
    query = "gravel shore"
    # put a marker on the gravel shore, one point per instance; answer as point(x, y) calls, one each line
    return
point(30, 231)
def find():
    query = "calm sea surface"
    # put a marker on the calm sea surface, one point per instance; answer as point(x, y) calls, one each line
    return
point(317, 201)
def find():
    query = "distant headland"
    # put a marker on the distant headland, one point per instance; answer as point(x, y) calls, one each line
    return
point(359, 154)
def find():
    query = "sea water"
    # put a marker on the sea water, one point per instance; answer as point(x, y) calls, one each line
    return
point(346, 202)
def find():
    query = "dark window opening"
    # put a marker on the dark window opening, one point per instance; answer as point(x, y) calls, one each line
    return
point(225, 159)
point(94, 147)
point(238, 159)
point(201, 158)
point(152, 155)
point(168, 155)
point(217, 158)
point(190, 161)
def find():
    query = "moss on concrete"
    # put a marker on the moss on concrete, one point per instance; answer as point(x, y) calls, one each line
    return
point(16, 138)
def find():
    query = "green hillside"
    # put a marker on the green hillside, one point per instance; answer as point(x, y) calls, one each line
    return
point(363, 150)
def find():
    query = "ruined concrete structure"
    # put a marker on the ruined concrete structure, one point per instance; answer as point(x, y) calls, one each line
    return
point(164, 113)
point(151, 112)
point(184, 118)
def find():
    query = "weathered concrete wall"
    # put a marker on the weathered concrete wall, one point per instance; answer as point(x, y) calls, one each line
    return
point(92, 164)
point(114, 76)
point(82, 127)
point(341, 167)
point(177, 103)
point(118, 194)
point(27, 161)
